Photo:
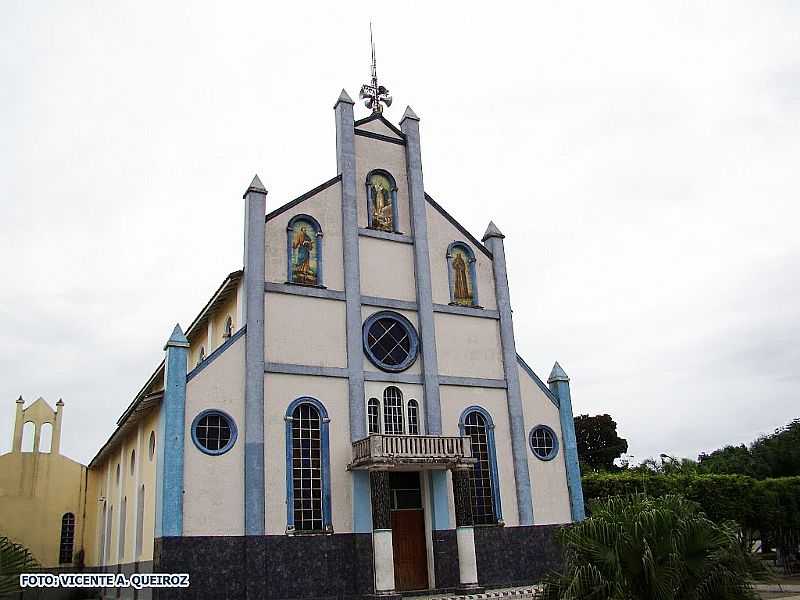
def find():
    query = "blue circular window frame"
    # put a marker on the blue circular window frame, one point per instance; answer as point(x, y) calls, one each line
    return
point(231, 424)
point(412, 334)
point(554, 452)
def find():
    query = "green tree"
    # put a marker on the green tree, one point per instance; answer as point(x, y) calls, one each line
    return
point(598, 443)
point(645, 548)
point(14, 560)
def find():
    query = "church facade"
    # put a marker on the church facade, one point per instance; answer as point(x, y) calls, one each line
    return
point(348, 415)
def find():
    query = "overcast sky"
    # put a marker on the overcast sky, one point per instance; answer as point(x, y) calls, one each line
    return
point(641, 158)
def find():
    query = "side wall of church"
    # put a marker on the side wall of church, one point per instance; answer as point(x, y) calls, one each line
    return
point(107, 494)
point(214, 485)
point(548, 477)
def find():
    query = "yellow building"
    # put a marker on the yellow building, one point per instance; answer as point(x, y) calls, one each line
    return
point(42, 493)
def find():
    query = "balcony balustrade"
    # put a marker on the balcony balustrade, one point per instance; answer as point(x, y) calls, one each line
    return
point(433, 451)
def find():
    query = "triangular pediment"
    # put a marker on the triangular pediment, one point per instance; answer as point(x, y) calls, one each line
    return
point(39, 409)
point(377, 124)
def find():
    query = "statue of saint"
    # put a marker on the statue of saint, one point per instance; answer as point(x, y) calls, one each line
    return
point(461, 291)
point(381, 207)
point(303, 245)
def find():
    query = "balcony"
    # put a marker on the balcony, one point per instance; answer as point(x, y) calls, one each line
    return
point(425, 451)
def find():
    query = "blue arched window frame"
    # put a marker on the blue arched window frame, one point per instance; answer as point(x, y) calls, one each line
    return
point(318, 249)
point(451, 272)
point(492, 453)
point(370, 199)
point(327, 522)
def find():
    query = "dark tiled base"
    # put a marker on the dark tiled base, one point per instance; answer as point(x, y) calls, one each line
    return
point(269, 567)
point(445, 558)
point(516, 556)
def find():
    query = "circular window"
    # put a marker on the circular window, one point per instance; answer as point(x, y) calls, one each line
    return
point(544, 442)
point(151, 449)
point(390, 341)
point(213, 432)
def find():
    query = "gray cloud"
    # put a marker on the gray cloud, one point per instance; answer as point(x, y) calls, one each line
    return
point(640, 157)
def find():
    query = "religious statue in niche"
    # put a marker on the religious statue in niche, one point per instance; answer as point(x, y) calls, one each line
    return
point(304, 255)
point(380, 189)
point(462, 281)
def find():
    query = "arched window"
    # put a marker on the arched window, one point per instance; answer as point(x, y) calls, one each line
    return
point(228, 330)
point(392, 411)
point(476, 423)
point(382, 200)
point(461, 274)
point(101, 534)
point(308, 491)
point(413, 417)
point(45, 437)
point(304, 250)
point(374, 416)
point(118, 473)
point(151, 445)
point(123, 514)
point(109, 523)
point(67, 538)
point(28, 436)
point(202, 356)
point(133, 461)
point(139, 522)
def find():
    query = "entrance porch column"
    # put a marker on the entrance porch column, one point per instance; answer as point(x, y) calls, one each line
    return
point(382, 553)
point(465, 532)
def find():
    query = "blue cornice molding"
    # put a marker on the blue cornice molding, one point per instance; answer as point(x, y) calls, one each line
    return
point(385, 235)
point(215, 354)
point(389, 303)
point(309, 194)
point(525, 367)
point(295, 289)
point(379, 137)
point(458, 226)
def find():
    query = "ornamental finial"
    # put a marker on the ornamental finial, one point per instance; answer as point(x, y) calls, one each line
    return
point(371, 93)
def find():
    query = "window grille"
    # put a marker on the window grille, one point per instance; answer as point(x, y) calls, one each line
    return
point(392, 411)
point(390, 341)
point(67, 538)
point(543, 442)
point(307, 468)
point(483, 509)
point(374, 416)
point(413, 417)
point(213, 432)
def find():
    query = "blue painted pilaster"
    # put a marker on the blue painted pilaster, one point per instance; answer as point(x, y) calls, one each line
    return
point(254, 275)
point(559, 385)
point(169, 493)
point(409, 125)
point(346, 165)
point(494, 240)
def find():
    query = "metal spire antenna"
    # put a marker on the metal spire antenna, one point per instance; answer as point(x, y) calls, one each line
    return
point(371, 93)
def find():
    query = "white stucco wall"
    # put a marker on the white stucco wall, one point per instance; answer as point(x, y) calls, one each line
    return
point(325, 207)
point(454, 399)
point(548, 478)
point(387, 269)
point(305, 331)
point(376, 154)
point(468, 346)
point(441, 233)
point(213, 503)
point(279, 391)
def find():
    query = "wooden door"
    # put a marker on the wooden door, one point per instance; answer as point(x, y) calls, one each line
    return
point(408, 544)
point(408, 532)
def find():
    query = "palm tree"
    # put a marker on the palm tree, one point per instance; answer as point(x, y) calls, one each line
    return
point(641, 548)
point(14, 559)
